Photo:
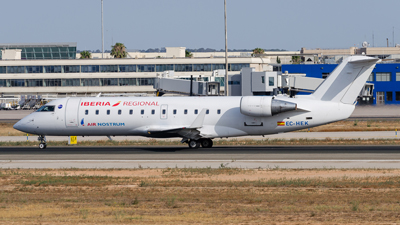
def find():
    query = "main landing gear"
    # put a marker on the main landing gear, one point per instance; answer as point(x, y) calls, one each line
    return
point(43, 143)
point(204, 142)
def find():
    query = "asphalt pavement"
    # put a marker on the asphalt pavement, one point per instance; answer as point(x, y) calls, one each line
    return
point(220, 156)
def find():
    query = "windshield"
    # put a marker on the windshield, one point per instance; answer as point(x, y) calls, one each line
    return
point(46, 108)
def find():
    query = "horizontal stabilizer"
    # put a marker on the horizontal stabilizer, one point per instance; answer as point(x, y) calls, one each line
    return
point(354, 60)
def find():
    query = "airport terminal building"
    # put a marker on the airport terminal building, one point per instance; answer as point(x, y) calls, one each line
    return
point(55, 70)
point(43, 51)
point(73, 77)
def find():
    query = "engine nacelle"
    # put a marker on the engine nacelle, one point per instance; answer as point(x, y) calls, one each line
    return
point(264, 106)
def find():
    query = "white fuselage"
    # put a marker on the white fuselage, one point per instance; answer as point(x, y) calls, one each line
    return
point(98, 116)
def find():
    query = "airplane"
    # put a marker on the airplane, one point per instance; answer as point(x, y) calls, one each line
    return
point(198, 120)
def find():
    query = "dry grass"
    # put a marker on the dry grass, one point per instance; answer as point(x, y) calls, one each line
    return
point(187, 196)
point(358, 125)
point(6, 129)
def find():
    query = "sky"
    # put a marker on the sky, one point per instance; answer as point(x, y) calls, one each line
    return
point(140, 24)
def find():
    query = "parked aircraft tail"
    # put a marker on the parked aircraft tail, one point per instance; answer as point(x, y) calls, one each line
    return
point(346, 81)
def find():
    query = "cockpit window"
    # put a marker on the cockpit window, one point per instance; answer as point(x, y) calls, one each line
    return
point(46, 108)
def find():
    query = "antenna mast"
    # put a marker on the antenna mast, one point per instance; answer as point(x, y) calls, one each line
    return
point(373, 39)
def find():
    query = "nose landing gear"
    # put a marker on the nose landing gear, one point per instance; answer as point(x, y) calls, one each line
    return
point(43, 143)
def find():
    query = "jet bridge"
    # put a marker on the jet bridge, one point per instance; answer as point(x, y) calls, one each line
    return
point(164, 83)
point(248, 83)
point(294, 83)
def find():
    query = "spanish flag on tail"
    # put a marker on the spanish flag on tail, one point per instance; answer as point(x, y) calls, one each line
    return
point(281, 123)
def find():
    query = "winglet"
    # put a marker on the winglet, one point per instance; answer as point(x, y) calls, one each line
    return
point(198, 122)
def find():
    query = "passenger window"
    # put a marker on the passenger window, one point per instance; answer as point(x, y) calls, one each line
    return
point(174, 111)
point(142, 111)
point(208, 111)
point(97, 112)
point(131, 111)
point(86, 112)
point(218, 111)
point(153, 111)
point(196, 111)
point(185, 111)
point(108, 112)
point(119, 112)
point(163, 111)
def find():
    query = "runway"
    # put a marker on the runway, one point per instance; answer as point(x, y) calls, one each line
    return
point(225, 156)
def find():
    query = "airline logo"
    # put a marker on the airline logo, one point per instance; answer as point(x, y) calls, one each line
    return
point(125, 103)
point(292, 123)
point(106, 124)
point(116, 104)
point(99, 103)
point(110, 124)
point(140, 103)
point(102, 124)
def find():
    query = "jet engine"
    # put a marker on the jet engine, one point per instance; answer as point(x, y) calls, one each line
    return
point(264, 106)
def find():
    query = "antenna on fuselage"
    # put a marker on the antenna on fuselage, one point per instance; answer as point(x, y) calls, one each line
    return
point(98, 95)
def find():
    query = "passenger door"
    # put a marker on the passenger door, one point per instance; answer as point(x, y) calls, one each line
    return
point(71, 112)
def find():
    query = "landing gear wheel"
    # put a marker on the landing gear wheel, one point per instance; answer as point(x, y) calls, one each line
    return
point(206, 143)
point(43, 143)
point(194, 144)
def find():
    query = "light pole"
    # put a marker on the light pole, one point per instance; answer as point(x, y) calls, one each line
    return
point(102, 31)
point(226, 55)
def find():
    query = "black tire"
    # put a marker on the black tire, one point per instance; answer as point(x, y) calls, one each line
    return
point(194, 144)
point(42, 145)
point(206, 143)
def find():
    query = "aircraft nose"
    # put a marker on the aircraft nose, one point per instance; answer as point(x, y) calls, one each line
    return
point(23, 125)
point(18, 126)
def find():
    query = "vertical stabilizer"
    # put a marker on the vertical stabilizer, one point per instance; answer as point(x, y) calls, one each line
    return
point(346, 81)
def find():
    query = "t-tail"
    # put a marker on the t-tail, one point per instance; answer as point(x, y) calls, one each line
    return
point(346, 81)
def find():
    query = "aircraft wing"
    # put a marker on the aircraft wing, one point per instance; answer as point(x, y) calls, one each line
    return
point(190, 132)
point(184, 132)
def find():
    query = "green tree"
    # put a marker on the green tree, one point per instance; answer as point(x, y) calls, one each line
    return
point(278, 60)
point(188, 54)
point(258, 51)
point(296, 59)
point(119, 51)
point(86, 55)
